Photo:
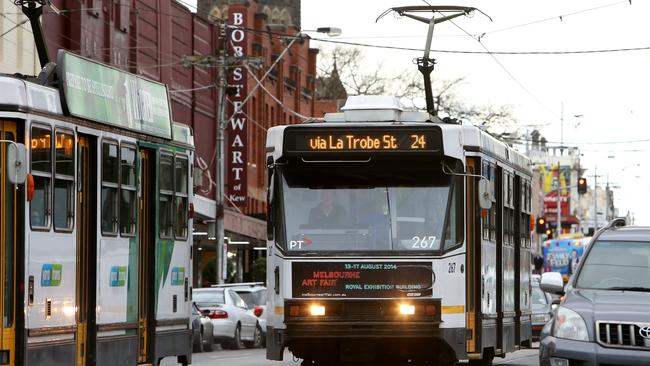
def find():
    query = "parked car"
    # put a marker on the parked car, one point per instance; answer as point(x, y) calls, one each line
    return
point(541, 306)
point(604, 317)
point(202, 338)
point(254, 294)
point(232, 322)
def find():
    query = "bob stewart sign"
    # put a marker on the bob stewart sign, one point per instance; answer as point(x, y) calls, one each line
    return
point(362, 279)
point(237, 124)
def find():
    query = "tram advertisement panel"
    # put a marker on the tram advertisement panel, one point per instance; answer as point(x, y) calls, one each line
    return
point(362, 279)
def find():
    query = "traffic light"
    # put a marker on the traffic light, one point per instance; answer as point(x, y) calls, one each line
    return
point(549, 234)
point(541, 226)
point(582, 185)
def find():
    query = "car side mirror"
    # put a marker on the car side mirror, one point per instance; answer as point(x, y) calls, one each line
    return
point(551, 282)
point(205, 312)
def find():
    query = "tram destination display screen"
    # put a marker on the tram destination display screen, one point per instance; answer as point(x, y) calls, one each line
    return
point(362, 279)
point(338, 140)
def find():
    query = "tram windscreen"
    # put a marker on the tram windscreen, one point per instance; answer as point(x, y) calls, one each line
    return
point(336, 209)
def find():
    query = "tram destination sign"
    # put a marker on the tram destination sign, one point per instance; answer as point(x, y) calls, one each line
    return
point(362, 279)
point(104, 94)
point(337, 140)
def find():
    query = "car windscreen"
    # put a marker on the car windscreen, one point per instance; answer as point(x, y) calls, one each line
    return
point(614, 265)
point(538, 297)
point(340, 208)
point(207, 298)
point(253, 298)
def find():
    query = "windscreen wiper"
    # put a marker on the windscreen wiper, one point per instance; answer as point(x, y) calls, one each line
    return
point(637, 288)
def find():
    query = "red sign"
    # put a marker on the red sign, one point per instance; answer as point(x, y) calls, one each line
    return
point(550, 204)
point(236, 130)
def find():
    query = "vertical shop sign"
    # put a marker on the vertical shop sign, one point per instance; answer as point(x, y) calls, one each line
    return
point(237, 127)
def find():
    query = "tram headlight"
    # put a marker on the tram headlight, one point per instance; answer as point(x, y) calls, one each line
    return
point(407, 309)
point(317, 310)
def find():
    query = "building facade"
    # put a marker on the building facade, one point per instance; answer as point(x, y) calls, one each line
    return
point(17, 48)
point(168, 42)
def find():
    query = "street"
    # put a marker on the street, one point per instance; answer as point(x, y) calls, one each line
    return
point(257, 357)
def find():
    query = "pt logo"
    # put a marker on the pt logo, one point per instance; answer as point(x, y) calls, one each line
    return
point(645, 332)
point(298, 244)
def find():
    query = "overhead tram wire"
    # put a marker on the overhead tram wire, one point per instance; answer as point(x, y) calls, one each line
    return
point(259, 83)
point(399, 48)
point(502, 66)
point(560, 17)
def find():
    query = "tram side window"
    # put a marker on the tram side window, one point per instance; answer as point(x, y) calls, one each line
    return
point(127, 191)
point(454, 227)
point(41, 167)
point(180, 201)
point(110, 185)
point(64, 181)
point(166, 178)
point(493, 210)
point(486, 218)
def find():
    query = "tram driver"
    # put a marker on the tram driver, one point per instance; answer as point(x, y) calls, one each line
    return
point(327, 214)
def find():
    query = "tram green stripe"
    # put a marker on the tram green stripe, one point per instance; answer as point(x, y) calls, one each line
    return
point(132, 285)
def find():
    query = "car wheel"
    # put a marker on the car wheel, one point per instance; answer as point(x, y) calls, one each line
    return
point(198, 342)
point(235, 343)
point(209, 343)
point(257, 338)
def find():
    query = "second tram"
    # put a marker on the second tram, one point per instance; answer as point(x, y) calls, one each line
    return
point(95, 260)
point(395, 236)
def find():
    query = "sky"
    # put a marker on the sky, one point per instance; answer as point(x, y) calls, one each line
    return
point(602, 96)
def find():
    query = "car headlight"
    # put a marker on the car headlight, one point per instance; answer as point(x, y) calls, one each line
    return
point(569, 325)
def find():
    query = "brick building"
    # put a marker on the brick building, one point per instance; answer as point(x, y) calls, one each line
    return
point(165, 41)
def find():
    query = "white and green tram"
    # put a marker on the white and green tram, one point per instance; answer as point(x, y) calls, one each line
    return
point(394, 236)
point(95, 223)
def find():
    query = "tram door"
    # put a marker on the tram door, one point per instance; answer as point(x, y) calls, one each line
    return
point(86, 250)
point(146, 252)
point(8, 233)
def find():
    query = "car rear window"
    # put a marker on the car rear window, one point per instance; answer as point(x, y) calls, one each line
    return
point(614, 265)
point(205, 298)
point(253, 298)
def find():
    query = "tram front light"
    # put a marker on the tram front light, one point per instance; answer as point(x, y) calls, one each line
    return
point(317, 310)
point(407, 309)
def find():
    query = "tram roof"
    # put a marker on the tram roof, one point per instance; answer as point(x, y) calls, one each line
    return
point(18, 94)
point(373, 110)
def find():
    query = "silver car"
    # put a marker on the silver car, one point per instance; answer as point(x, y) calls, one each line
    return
point(541, 306)
point(202, 338)
point(255, 297)
point(232, 322)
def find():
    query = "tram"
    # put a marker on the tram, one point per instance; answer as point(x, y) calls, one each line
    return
point(395, 236)
point(95, 258)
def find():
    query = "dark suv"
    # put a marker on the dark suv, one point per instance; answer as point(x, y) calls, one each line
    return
point(604, 317)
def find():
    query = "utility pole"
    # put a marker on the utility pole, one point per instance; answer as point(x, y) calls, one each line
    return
point(595, 199)
point(221, 121)
point(559, 202)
